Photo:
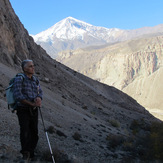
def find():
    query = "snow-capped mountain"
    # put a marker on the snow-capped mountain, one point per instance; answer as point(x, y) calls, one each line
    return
point(71, 28)
point(71, 33)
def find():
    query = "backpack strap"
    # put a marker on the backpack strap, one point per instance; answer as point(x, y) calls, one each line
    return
point(22, 75)
point(35, 79)
point(37, 83)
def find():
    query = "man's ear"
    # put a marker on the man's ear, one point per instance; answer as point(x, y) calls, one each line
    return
point(24, 69)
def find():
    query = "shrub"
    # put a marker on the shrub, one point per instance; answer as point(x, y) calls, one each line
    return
point(114, 123)
point(114, 141)
point(150, 146)
point(77, 136)
point(127, 146)
point(85, 107)
point(156, 140)
point(135, 126)
point(59, 156)
point(50, 129)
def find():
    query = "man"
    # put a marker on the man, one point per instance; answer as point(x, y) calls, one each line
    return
point(28, 95)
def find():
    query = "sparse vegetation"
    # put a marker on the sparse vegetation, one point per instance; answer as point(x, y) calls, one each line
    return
point(93, 112)
point(50, 129)
point(59, 156)
point(155, 141)
point(77, 136)
point(114, 141)
point(85, 107)
point(114, 123)
point(146, 147)
point(138, 125)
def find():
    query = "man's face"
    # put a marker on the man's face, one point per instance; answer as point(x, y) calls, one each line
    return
point(29, 68)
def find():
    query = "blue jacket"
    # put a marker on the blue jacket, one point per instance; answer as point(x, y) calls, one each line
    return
point(26, 89)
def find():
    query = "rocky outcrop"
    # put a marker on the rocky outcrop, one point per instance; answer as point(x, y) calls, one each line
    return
point(16, 44)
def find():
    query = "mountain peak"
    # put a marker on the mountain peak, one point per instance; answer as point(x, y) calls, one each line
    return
point(71, 33)
point(71, 29)
point(69, 18)
point(72, 20)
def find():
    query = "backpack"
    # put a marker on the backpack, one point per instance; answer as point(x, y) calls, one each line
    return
point(9, 93)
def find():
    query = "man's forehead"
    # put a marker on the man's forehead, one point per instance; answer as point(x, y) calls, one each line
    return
point(30, 63)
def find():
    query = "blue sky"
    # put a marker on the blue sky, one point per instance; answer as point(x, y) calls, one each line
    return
point(39, 15)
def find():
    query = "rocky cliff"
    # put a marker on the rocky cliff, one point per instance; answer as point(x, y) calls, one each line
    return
point(87, 121)
point(133, 66)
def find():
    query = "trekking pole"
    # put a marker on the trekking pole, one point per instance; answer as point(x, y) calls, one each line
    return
point(47, 136)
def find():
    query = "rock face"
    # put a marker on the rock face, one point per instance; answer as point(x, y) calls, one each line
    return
point(87, 121)
point(15, 41)
point(133, 66)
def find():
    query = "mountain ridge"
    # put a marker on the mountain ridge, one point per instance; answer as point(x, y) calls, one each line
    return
point(60, 29)
point(70, 33)
point(121, 65)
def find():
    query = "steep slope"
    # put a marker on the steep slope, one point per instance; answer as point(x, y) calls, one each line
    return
point(149, 92)
point(83, 116)
point(132, 66)
point(71, 33)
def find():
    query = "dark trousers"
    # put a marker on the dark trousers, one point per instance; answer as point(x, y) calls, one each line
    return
point(28, 121)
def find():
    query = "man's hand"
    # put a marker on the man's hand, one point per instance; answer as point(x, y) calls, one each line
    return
point(38, 101)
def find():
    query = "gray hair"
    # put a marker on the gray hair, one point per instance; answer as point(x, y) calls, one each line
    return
point(25, 62)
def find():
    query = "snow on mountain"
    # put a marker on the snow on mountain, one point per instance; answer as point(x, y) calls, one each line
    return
point(70, 33)
point(71, 28)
